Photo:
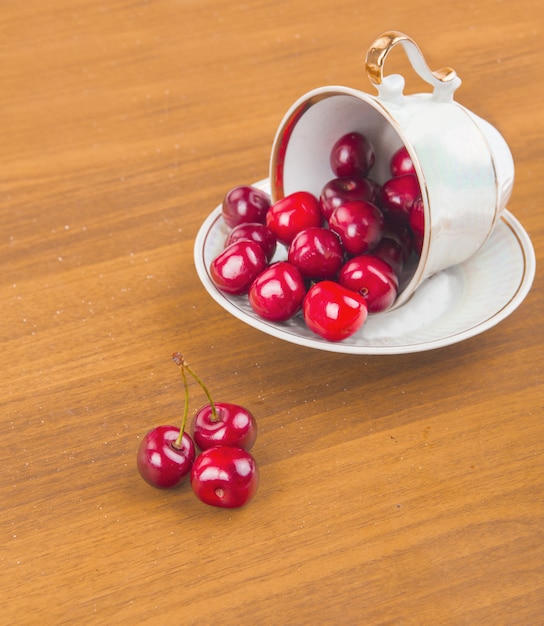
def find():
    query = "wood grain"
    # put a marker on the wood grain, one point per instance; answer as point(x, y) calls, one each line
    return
point(394, 490)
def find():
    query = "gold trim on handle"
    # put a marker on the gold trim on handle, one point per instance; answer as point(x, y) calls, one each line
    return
point(378, 51)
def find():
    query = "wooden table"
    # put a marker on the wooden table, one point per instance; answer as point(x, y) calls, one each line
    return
point(401, 489)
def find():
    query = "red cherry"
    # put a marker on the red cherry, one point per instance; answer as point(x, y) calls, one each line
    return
point(229, 425)
point(277, 293)
point(254, 231)
point(359, 226)
point(225, 476)
point(244, 203)
point(236, 267)
point(288, 216)
point(317, 252)
point(376, 191)
point(401, 163)
point(402, 234)
point(333, 311)
point(397, 196)
point(391, 252)
point(352, 155)
point(347, 189)
point(373, 278)
point(162, 460)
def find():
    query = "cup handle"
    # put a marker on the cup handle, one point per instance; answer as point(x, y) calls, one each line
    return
point(445, 80)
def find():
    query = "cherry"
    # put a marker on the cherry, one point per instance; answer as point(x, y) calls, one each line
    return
point(346, 189)
point(277, 293)
point(166, 453)
point(333, 311)
point(401, 163)
point(397, 196)
point(359, 226)
point(373, 278)
point(317, 252)
point(254, 231)
point(236, 267)
point(352, 155)
point(286, 217)
point(244, 203)
point(164, 460)
point(402, 234)
point(391, 252)
point(225, 424)
point(225, 476)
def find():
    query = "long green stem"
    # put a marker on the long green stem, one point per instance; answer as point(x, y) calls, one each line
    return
point(178, 442)
point(204, 388)
point(180, 361)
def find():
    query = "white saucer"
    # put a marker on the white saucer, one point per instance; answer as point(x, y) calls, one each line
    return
point(451, 306)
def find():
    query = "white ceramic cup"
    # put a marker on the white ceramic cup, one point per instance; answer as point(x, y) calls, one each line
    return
point(464, 166)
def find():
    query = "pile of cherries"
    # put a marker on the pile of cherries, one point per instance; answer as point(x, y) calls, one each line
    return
point(345, 250)
point(224, 473)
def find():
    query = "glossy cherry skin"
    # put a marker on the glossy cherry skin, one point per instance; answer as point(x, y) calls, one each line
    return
point(234, 426)
point(346, 189)
point(359, 226)
point(277, 293)
point(160, 462)
point(397, 196)
point(236, 267)
point(288, 216)
point(225, 476)
point(254, 231)
point(244, 203)
point(373, 278)
point(352, 155)
point(401, 163)
point(317, 252)
point(332, 311)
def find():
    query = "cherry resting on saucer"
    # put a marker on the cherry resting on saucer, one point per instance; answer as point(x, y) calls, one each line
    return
point(254, 231)
point(288, 216)
point(373, 278)
point(236, 267)
point(317, 252)
point(244, 203)
point(333, 311)
point(277, 292)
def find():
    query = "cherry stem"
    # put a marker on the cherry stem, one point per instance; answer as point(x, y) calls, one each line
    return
point(184, 366)
point(179, 441)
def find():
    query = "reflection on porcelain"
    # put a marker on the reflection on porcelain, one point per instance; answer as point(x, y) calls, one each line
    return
point(464, 166)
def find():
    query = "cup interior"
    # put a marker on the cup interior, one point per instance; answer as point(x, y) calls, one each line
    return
point(300, 158)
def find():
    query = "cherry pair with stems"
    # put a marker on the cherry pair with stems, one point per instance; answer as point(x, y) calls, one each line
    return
point(224, 474)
